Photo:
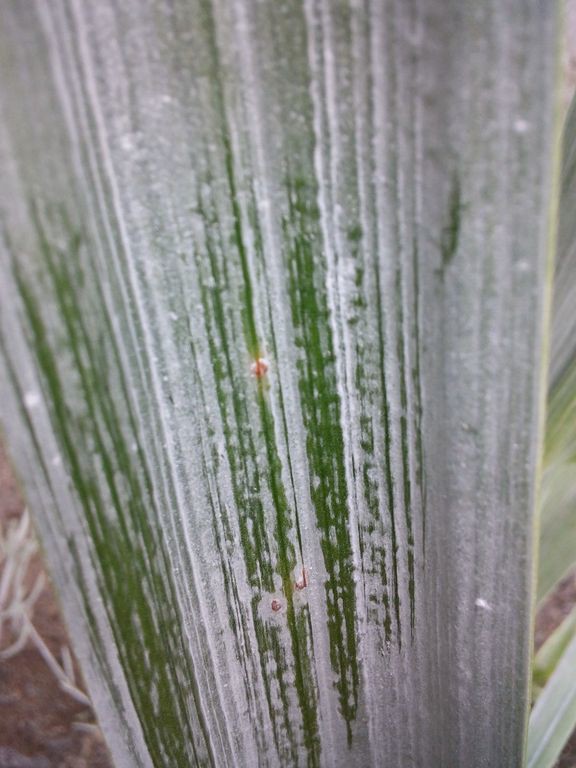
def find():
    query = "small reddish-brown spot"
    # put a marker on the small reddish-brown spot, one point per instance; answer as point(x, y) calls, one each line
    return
point(302, 581)
point(276, 605)
point(259, 368)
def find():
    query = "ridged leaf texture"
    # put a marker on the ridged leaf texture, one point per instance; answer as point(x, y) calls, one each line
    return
point(272, 301)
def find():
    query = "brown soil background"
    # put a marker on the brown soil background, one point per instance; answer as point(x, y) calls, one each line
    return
point(39, 723)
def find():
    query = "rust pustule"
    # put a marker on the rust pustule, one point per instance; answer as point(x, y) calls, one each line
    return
point(302, 582)
point(259, 368)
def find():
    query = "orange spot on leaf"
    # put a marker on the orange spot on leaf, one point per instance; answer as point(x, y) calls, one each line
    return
point(259, 368)
point(302, 581)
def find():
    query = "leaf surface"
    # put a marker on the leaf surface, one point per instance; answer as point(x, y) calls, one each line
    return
point(271, 312)
point(554, 715)
point(558, 526)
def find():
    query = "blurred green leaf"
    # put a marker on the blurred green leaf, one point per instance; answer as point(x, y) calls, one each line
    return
point(549, 655)
point(554, 715)
point(558, 518)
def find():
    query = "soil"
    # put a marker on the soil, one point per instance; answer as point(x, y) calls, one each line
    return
point(40, 725)
point(43, 727)
point(555, 609)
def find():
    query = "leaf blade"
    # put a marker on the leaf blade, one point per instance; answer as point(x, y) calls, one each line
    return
point(554, 715)
point(191, 216)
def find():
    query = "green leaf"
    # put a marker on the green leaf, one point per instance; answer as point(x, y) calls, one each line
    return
point(553, 718)
point(558, 524)
point(549, 655)
point(554, 715)
point(323, 559)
